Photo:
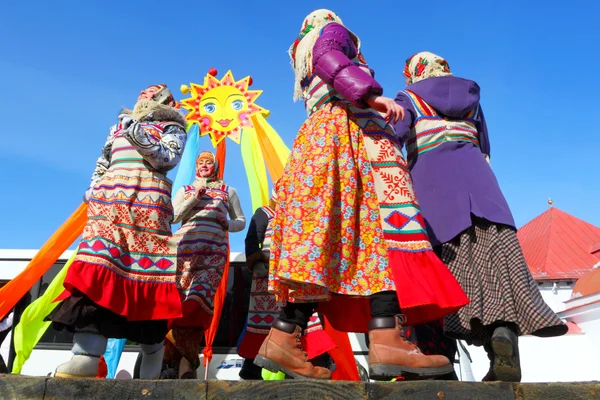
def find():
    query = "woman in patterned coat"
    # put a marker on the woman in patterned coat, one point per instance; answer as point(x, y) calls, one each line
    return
point(203, 253)
point(467, 217)
point(122, 282)
point(347, 235)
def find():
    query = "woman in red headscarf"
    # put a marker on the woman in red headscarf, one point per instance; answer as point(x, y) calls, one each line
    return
point(122, 282)
point(202, 255)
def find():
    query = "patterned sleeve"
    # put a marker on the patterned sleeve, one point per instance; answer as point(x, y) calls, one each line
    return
point(237, 222)
point(103, 161)
point(183, 203)
point(162, 151)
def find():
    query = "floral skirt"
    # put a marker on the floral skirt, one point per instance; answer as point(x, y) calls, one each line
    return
point(347, 224)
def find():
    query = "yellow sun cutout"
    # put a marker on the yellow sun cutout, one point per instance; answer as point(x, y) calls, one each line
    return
point(221, 108)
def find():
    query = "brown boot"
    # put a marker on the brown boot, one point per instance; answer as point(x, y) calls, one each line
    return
point(391, 355)
point(282, 352)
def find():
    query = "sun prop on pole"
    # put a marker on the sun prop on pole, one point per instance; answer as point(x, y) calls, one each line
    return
point(224, 108)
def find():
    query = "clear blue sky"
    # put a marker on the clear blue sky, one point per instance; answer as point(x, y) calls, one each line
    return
point(66, 67)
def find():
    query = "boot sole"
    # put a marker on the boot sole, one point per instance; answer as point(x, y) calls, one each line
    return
point(506, 367)
point(273, 366)
point(381, 372)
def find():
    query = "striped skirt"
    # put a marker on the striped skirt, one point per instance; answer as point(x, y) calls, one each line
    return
point(488, 262)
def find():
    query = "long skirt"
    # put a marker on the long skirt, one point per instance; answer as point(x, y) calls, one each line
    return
point(347, 224)
point(488, 262)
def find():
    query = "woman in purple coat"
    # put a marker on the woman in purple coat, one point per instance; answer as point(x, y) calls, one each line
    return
point(467, 217)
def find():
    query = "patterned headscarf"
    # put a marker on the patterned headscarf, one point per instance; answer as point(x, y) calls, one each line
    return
point(301, 50)
point(425, 65)
point(163, 95)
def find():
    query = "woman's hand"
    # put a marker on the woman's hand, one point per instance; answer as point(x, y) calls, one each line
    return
point(392, 112)
point(223, 221)
point(200, 192)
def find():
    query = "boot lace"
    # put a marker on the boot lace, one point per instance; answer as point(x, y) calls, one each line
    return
point(401, 320)
point(299, 342)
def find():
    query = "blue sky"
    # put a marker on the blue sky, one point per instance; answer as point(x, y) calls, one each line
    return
point(66, 67)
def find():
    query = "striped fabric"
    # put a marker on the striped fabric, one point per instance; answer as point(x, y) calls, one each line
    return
point(130, 214)
point(431, 130)
point(203, 246)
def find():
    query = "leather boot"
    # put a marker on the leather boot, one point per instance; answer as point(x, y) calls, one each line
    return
point(504, 357)
point(282, 352)
point(391, 355)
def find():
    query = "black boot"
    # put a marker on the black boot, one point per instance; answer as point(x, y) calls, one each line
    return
point(503, 352)
point(249, 371)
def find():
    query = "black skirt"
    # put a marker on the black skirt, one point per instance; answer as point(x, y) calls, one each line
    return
point(78, 313)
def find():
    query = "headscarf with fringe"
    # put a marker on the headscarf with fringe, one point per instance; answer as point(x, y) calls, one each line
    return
point(425, 65)
point(301, 50)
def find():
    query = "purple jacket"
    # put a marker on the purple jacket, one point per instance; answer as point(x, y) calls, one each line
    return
point(332, 57)
point(454, 180)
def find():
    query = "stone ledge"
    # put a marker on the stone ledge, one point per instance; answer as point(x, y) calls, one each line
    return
point(22, 387)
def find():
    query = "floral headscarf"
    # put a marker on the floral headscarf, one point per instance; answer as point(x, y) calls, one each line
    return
point(425, 65)
point(301, 50)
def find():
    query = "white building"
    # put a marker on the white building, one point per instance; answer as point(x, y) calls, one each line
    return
point(559, 249)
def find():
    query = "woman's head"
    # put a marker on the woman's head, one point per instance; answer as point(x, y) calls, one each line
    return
point(159, 93)
point(206, 165)
point(151, 99)
point(425, 65)
point(301, 50)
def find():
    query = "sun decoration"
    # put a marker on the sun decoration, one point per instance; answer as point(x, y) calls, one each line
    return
point(221, 108)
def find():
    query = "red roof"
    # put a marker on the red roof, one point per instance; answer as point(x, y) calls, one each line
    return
point(588, 284)
point(558, 245)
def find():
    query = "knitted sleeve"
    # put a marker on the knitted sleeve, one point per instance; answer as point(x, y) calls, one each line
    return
point(332, 62)
point(183, 203)
point(238, 221)
point(163, 151)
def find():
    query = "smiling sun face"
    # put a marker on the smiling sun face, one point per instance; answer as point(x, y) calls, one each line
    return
point(221, 107)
